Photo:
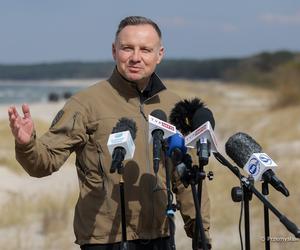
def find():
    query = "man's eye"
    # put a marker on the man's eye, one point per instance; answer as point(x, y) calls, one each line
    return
point(146, 50)
point(126, 49)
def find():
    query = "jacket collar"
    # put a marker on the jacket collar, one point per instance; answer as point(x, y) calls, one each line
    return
point(129, 89)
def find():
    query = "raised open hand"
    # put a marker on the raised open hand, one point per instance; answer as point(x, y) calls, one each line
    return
point(21, 127)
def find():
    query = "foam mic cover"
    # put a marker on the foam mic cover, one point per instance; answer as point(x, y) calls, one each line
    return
point(183, 112)
point(246, 153)
point(240, 147)
point(158, 113)
point(125, 124)
point(201, 116)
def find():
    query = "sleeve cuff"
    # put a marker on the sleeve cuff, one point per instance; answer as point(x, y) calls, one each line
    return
point(29, 145)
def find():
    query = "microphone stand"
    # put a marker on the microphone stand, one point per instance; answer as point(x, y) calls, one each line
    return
point(124, 243)
point(191, 177)
point(265, 192)
point(244, 195)
point(199, 223)
point(290, 226)
point(203, 152)
point(247, 195)
point(171, 208)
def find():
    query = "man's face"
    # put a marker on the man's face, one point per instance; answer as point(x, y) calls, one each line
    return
point(137, 50)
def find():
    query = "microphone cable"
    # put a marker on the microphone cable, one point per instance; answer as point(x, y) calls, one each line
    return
point(241, 216)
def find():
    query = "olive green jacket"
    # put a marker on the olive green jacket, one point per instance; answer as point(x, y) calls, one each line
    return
point(83, 126)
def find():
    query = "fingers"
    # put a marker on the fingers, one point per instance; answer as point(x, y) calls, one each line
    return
point(21, 127)
point(12, 114)
point(26, 111)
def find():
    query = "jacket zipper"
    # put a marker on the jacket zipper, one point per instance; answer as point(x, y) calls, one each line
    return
point(74, 119)
point(100, 165)
point(146, 138)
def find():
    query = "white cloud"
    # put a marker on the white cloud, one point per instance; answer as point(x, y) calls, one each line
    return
point(271, 18)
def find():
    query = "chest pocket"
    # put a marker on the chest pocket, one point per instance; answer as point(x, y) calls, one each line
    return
point(88, 161)
point(95, 155)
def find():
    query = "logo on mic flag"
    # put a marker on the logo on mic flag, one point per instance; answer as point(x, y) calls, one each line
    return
point(258, 164)
point(266, 159)
point(254, 167)
point(124, 140)
point(204, 132)
point(155, 123)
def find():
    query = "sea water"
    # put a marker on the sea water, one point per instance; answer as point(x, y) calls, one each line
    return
point(15, 92)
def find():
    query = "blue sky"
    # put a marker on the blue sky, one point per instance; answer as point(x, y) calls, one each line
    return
point(33, 31)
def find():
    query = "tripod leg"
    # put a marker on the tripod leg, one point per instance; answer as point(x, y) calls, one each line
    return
point(199, 224)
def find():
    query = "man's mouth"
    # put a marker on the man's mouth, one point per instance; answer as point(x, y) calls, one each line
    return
point(134, 68)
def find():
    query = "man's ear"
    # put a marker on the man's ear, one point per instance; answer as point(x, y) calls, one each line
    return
point(113, 50)
point(161, 53)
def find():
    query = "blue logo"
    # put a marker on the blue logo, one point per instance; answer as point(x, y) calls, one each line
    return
point(203, 140)
point(117, 138)
point(254, 167)
point(118, 135)
point(265, 159)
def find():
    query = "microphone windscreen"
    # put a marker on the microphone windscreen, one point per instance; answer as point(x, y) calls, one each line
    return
point(125, 124)
point(158, 113)
point(182, 114)
point(240, 146)
point(202, 115)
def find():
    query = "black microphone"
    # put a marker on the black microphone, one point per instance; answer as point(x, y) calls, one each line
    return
point(157, 135)
point(247, 154)
point(120, 142)
point(202, 116)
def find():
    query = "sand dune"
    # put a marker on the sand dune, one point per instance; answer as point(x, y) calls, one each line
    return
point(236, 108)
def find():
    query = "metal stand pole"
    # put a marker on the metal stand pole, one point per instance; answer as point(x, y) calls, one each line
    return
point(265, 192)
point(199, 229)
point(247, 197)
point(123, 214)
point(171, 208)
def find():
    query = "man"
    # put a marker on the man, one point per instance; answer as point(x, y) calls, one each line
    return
point(83, 126)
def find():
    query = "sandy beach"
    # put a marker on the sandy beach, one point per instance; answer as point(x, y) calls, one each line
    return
point(44, 111)
point(19, 191)
point(38, 213)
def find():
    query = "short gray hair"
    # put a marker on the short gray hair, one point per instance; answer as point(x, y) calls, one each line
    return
point(137, 20)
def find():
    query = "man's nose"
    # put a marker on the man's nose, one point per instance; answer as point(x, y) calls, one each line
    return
point(136, 56)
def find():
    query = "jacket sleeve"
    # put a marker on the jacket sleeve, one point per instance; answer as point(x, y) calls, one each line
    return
point(184, 198)
point(45, 155)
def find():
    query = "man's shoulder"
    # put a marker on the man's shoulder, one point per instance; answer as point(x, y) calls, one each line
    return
point(170, 94)
point(93, 90)
point(90, 95)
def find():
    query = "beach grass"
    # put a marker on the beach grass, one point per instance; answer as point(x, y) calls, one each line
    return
point(7, 146)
